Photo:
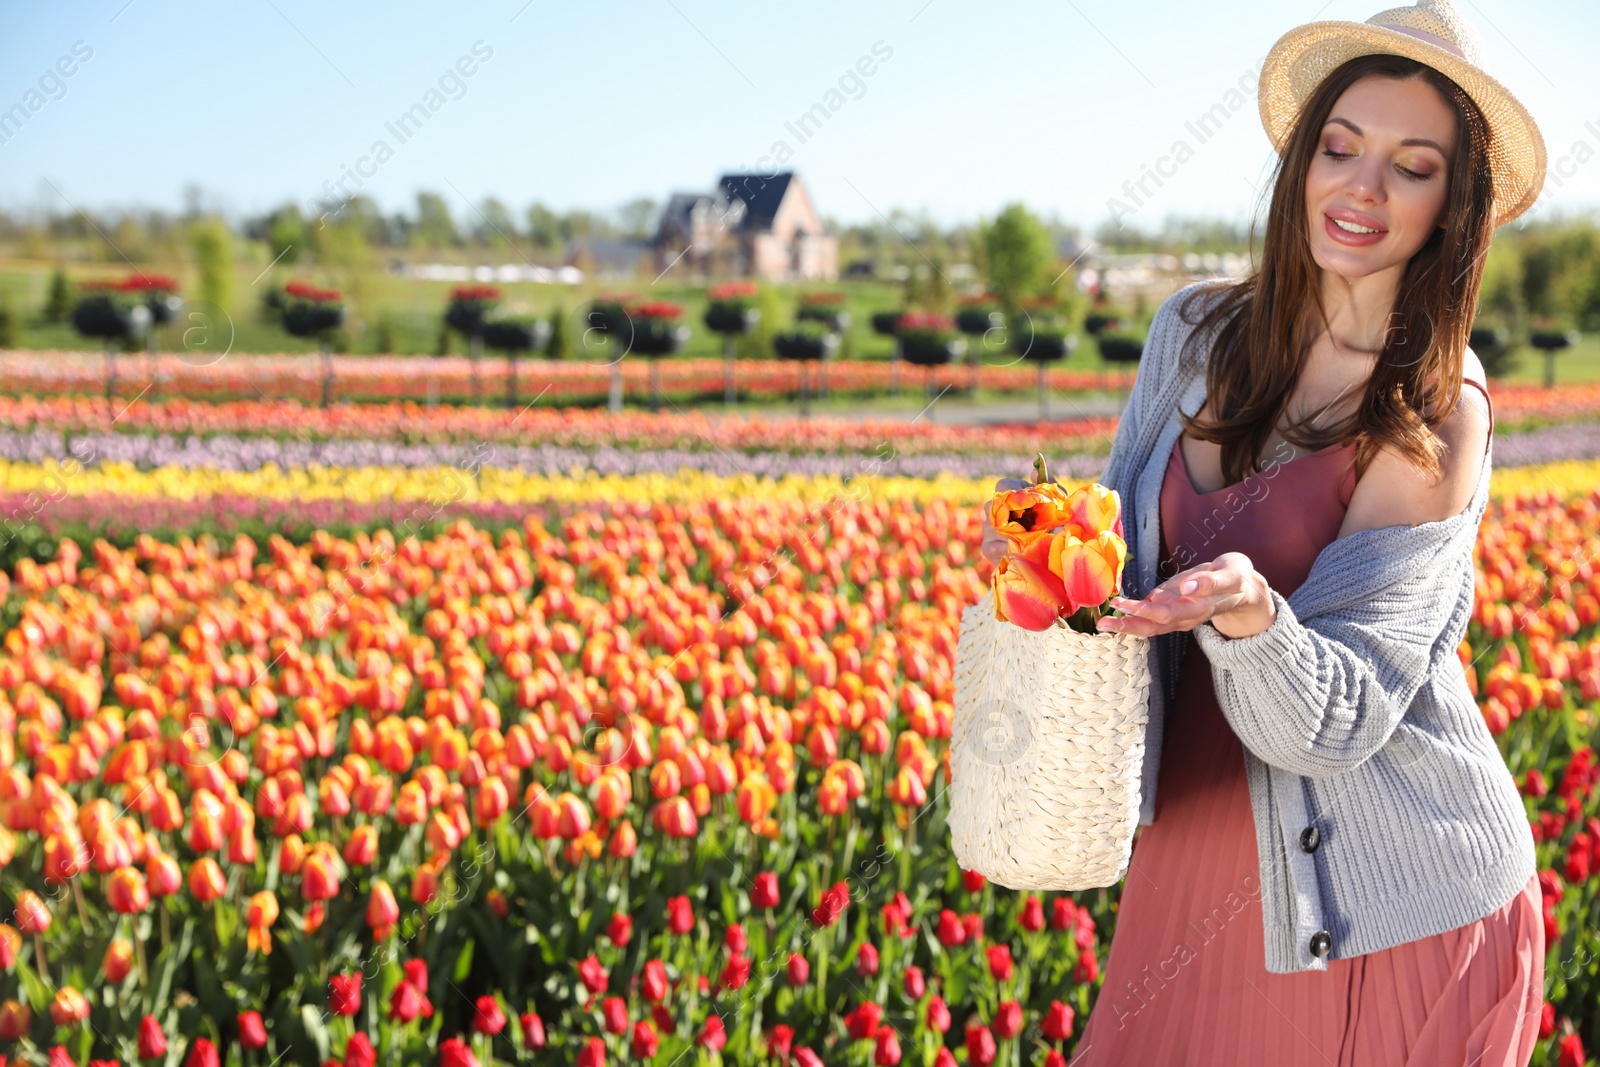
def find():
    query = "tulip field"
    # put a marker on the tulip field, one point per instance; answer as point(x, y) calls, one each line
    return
point(402, 734)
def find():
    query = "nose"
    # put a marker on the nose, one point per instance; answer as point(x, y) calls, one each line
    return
point(1366, 181)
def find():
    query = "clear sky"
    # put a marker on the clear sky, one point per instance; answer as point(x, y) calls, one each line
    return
point(966, 105)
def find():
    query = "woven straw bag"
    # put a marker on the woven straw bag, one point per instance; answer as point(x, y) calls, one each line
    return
point(1046, 748)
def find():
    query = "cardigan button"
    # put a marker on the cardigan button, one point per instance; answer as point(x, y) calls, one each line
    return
point(1310, 838)
point(1321, 942)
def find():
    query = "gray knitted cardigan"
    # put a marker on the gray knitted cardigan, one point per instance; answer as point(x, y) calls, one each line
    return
point(1383, 810)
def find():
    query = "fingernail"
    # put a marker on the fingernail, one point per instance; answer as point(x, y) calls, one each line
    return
point(1191, 585)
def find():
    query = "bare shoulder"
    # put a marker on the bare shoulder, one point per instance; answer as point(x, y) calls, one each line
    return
point(1395, 492)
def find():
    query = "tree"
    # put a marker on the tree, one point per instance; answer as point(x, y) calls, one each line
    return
point(546, 229)
point(213, 253)
point(1017, 250)
point(495, 226)
point(638, 217)
point(434, 227)
point(58, 305)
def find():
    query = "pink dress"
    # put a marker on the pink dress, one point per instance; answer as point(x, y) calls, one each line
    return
point(1185, 982)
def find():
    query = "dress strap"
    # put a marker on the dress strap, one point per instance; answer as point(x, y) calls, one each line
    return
point(1487, 399)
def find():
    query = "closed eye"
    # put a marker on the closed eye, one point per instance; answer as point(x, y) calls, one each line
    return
point(1413, 175)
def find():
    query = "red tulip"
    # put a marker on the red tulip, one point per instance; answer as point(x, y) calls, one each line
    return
point(152, 1042)
point(713, 1035)
point(653, 986)
point(489, 1018)
point(867, 959)
point(798, 969)
point(345, 998)
point(1569, 1052)
point(252, 1031)
point(938, 1014)
point(1547, 1020)
point(980, 1045)
point(1090, 570)
point(1057, 1022)
point(532, 1030)
point(914, 984)
point(886, 1053)
point(973, 881)
point(764, 894)
point(1031, 918)
point(645, 1041)
point(680, 915)
point(736, 972)
point(453, 1052)
point(615, 1012)
point(1000, 962)
point(202, 1053)
point(951, 931)
point(1008, 1019)
point(862, 1023)
point(620, 929)
point(358, 1051)
point(592, 1054)
point(592, 973)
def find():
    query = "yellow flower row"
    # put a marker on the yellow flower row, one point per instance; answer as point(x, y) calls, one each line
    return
point(441, 486)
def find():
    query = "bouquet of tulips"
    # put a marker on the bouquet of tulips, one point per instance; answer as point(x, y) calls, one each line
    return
point(1048, 728)
point(1065, 557)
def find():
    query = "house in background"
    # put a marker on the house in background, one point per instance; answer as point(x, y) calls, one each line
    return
point(749, 226)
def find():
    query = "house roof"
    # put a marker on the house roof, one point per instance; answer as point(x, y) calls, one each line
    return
point(761, 193)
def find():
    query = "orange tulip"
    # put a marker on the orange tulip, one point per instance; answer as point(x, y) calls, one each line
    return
point(118, 960)
point(1089, 571)
point(1026, 516)
point(68, 1007)
point(361, 848)
point(319, 876)
point(15, 1020)
point(382, 910)
point(1026, 593)
point(33, 917)
point(1093, 508)
point(205, 880)
point(127, 894)
point(259, 917)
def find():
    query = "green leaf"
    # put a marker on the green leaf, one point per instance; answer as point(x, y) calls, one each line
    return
point(463, 965)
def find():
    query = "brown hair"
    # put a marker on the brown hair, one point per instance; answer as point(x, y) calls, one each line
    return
point(1259, 353)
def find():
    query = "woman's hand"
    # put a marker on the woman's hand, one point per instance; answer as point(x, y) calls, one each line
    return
point(1228, 592)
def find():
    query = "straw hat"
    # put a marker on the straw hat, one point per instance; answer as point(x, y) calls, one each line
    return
point(1434, 33)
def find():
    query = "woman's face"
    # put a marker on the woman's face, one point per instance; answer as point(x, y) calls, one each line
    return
point(1380, 166)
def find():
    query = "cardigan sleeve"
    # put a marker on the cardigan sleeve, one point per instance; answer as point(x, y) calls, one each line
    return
point(1320, 696)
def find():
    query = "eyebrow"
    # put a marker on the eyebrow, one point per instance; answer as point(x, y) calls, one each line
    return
point(1408, 141)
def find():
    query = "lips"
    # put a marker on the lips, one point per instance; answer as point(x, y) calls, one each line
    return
point(1345, 237)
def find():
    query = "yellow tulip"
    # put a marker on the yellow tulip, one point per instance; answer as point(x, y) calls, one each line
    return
point(1090, 571)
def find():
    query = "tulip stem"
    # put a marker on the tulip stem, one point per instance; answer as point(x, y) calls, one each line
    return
point(83, 911)
point(138, 951)
point(166, 925)
point(38, 958)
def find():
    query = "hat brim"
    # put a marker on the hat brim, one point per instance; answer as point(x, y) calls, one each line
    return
point(1305, 55)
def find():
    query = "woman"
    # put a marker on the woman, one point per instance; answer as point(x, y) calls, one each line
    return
point(1331, 800)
